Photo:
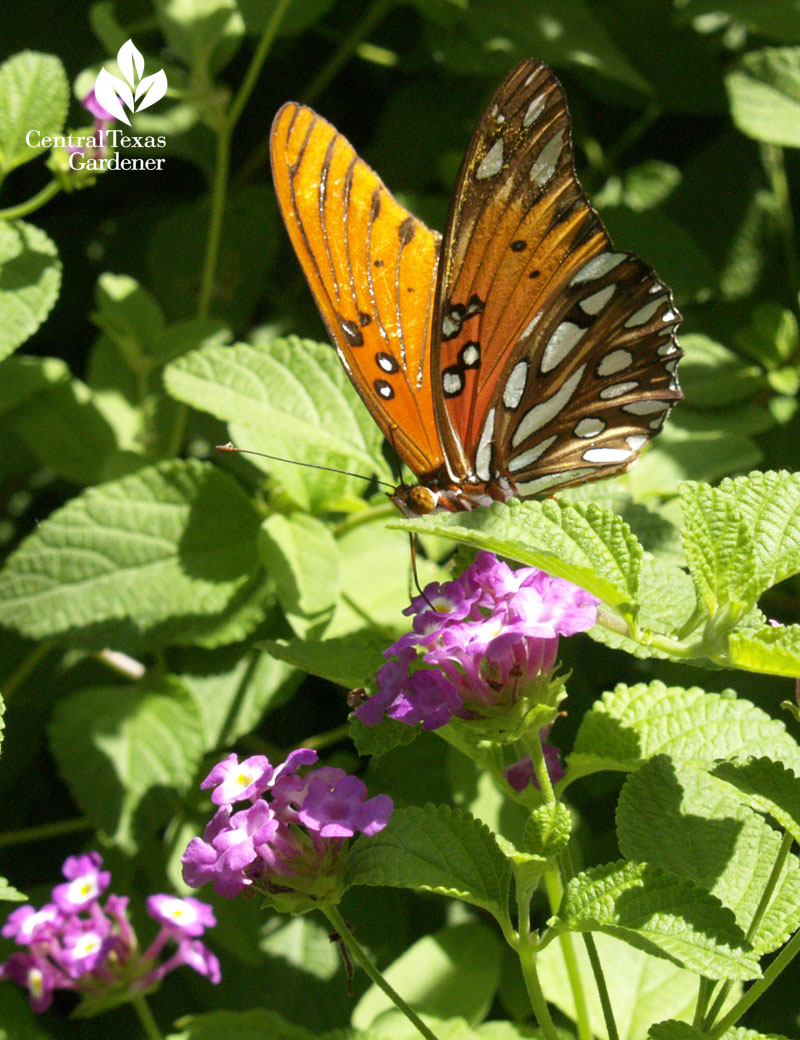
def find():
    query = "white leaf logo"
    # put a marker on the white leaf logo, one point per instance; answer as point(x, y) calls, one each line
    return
point(134, 91)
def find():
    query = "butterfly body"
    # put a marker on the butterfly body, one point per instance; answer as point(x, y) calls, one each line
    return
point(520, 353)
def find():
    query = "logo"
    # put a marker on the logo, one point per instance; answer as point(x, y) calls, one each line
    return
point(135, 92)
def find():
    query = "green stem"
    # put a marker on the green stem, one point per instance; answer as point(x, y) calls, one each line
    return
point(555, 889)
point(360, 956)
point(527, 960)
point(44, 832)
point(535, 750)
point(759, 987)
point(35, 202)
point(323, 740)
point(222, 166)
point(772, 158)
point(704, 991)
point(25, 667)
point(758, 916)
point(149, 1024)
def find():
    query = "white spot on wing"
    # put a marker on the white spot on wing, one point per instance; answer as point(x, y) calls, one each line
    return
point(598, 266)
point(541, 414)
point(483, 456)
point(667, 348)
point(535, 109)
point(471, 355)
point(452, 383)
point(669, 315)
point(607, 454)
point(531, 455)
point(515, 387)
point(547, 161)
point(530, 326)
point(563, 340)
point(386, 364)
point(533, 487)
point(644, 314)
point(596, 302)
point(589, 427)
point(645, 407)
point(616, 361)
point(617, 390)
point(636, 440)
point(492, 162)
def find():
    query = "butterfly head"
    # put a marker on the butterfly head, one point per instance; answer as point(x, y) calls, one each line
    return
point(415, 500)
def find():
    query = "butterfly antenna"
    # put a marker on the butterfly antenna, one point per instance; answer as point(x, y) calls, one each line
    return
point(294, 462)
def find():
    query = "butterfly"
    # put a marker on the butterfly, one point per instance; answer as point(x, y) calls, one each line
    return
point(518, 354)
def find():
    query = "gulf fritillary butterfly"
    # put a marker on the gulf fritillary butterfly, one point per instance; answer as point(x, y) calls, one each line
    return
point(518, 355)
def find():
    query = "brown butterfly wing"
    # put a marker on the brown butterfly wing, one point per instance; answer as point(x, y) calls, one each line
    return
point(557, 355)
point(371, 266)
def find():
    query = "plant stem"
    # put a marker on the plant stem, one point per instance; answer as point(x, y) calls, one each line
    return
point(758, 916)
point(527, 960)
point(704, 991)
point(25, 667)
point(535, 750)
point(34, 202)
point(360, 956)
point(149, 1024)
point(44, 832)
point(323, 740)
point(222, 165)
point(555, 889)
point(772, 158)
point(759, 987)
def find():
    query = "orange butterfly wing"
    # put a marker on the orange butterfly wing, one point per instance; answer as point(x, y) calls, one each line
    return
point(371, 266)
point(555, 355)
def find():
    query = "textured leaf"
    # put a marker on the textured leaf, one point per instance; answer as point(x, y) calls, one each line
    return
point(632, 724)
point(300, 555)
point(769, 503)
point(258, 1024)
point(774, 650)
point(661, 914)
point(665, 810)
point(130, 316)
point(643, 989)
point(291, 398)
point(33, 96)
point(435, 849)
point(30, 273)
point(712, 376)
point(548, 829)
point(766, 786)
point(117, 746)
point(455, 971)
point(175, 540)
point(720, 552)
point(579, 541)
point(764, 92)
point(349, 660)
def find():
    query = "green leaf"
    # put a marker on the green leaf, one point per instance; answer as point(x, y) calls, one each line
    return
point(764, 93)
point(455, 971)
point(548, 829)
point(643, 989)
point(713, 376)
point(9, 894)
point(130, 316)
point(258, 1024)
point(205, 34)
point(720, 551)
point(173, 541)
point(766, 786)
point(579, 541)
point(632, 724)
point(375, 741)
point(31, 278)
point(771, 337)
point(33, 96)
point(681, 1031)
point(775, 19)
point(349, 660)
point(769, 504)
point(659, 913)
point(773, 650)
point(666, 809)
point(292, 398)
point(123, 749)
point(301, 556)
point(435, 849)
point(60, 420)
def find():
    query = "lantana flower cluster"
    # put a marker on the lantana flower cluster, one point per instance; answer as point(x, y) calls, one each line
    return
point(292, 835)
point(479, 644)
point(74, 943)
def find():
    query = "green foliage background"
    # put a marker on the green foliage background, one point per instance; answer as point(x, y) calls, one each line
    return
point(687, 128)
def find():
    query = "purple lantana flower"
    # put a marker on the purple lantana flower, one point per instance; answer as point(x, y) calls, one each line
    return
point(293, 835)
point(479, 643)
point(76, 943)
